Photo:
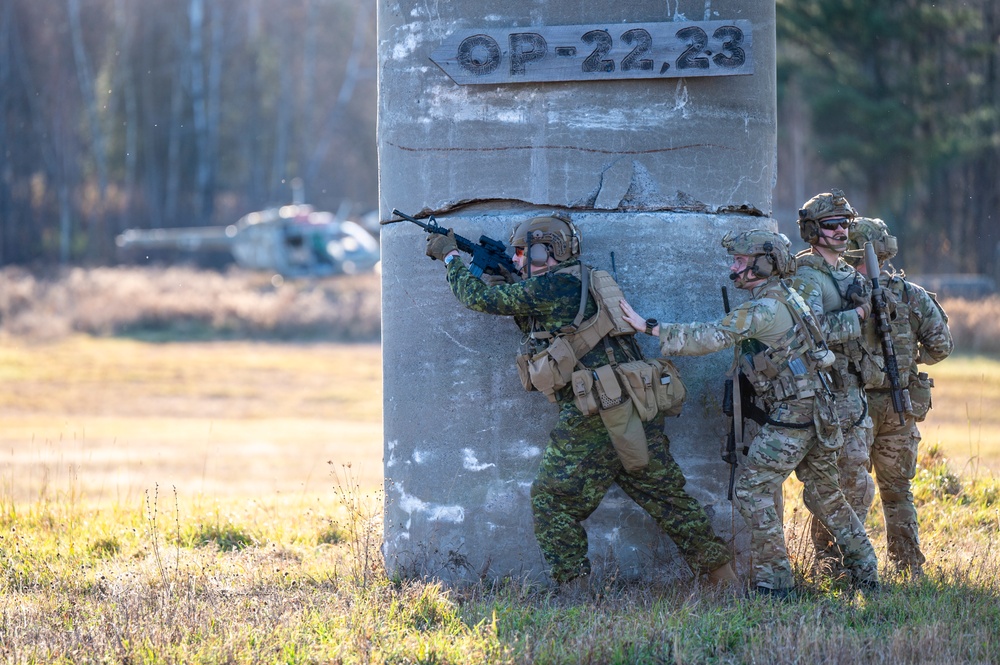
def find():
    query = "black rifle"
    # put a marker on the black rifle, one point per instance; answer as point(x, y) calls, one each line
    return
point(488, 256)
point(880, 310)
point(732, 406)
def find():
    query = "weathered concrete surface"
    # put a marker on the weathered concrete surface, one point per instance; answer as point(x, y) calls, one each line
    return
point(653, 171)
point(706, 143)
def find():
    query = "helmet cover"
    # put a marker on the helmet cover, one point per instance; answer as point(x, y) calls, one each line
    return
point(772, 252)
point(876, 232)
point(819, 207)
point(556, 232)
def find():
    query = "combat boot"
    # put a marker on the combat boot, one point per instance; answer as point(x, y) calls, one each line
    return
point(580, 588)
point(767, 592)
point(723, 576)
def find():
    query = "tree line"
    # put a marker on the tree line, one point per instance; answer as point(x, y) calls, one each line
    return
point(898, 103)
point(122, 113)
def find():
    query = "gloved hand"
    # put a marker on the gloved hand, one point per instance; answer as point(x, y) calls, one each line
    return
point(492, 280)
point(505, 277)
point(862, 300)
point(438, 245)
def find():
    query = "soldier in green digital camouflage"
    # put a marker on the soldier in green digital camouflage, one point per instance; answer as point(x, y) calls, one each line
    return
point(919, 334)
point(841, 299)
point(780, 349)
point(551, 305)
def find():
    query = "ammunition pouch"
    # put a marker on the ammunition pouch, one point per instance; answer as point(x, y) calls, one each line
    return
point(550, 370)
point(920, 395)
point(654, 386)
point(827, 421)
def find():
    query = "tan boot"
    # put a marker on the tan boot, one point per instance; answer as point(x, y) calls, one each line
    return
point(724, 575)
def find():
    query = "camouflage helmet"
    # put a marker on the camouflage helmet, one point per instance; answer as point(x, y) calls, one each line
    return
point(876, 232)
point(555, 232)
point(822, 206)
point(772, 251)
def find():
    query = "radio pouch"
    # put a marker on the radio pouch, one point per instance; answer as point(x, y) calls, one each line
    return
point(670, 391)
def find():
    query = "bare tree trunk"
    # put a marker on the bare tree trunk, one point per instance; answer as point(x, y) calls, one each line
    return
point(199, 104)
point(282, 130)
point(86, 82)
point(6, 84)
point(213, 106)
point(125, 83)
point(353, 73)
point(171, 205)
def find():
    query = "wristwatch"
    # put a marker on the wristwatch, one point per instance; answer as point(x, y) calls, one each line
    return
point(650, 324)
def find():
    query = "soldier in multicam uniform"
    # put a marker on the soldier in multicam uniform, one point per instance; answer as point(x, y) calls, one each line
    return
point(920, 334)
point(841, 299)
point(781, 350)
point(579, 463)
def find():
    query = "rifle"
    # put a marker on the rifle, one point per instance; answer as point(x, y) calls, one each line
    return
point(488, 256)
point(880, 309)
point(732, 405)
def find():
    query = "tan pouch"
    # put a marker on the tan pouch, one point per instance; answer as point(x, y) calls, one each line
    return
point(920, 395)
point(552, 369)
point(584, 396)
point(522, 371)
point(669, 390)
point(637, 379)
point(827, 421)
point(627, 435)
point(609, 296)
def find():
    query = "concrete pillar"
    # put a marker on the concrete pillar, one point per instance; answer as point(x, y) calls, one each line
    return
point(655, 170)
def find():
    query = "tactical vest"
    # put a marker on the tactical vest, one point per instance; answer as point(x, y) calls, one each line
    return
point(654, 386)
point(790, 368)
point(555, 354)
point(904, 341)
point(624, 394)
point(855, 362)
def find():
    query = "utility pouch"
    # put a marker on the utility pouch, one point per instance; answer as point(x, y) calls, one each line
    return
point(920, 395)
point(627, 435)
point(523, 360)
point(871, 373)
point(551, 369)
point(584, 396)
point(668, 389)
point(637, 379)
point(827, 421)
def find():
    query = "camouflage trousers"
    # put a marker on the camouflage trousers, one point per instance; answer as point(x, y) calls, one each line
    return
point(894, 459)
point(774, 453)
point(855, 467)
point(578, 468)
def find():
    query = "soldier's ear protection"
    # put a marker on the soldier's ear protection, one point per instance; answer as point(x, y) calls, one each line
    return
point(769, 259)
point(538, 253)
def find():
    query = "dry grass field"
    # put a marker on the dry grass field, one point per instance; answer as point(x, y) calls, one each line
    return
point(110, 418)
point(215, 499)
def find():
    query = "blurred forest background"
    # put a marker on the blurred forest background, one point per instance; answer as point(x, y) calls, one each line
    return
point(120, 114)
